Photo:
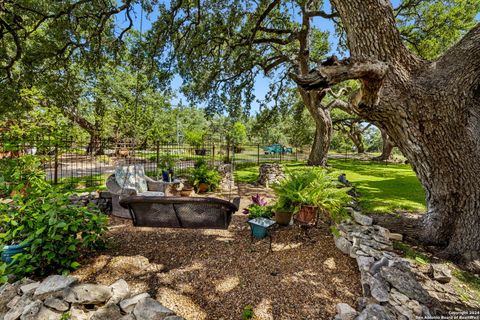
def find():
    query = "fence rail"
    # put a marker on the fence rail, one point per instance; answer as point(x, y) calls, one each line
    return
point(67, 162)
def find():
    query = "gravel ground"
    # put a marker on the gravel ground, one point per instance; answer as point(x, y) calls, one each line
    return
point(215, 274)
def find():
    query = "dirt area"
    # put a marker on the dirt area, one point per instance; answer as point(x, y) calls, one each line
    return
point(216, 274)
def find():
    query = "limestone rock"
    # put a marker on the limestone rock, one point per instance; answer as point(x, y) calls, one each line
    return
point(53, 285)
point(270, 173)
point(362, 219)
point(108, 312)
point(364, 263)
point(79, 314)
point(343, 245)
point(345, 312)
point(378, 288)
point(32, 310)
point(128, 305)
point(128, 317)
point(379, 264)
point(88, 294)
point(174, 318)
point(405, 282)
point(396, 237)
point(17, 308)
point(56, 304)
point(120, 291)
point(440, 273)
point(150, 309)
point(8, 291)
point(29, 288)
point(374, 312)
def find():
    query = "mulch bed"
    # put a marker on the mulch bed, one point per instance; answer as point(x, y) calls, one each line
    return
point(215, 274)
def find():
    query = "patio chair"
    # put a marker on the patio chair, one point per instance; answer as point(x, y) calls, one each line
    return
point(131, 180)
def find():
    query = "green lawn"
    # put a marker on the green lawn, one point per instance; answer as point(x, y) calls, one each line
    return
point(383, 188)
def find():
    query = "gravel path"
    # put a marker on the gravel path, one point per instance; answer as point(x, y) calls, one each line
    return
point(215, 274)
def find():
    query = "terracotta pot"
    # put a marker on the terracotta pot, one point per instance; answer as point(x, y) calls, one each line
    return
point(307, 214)
point(186, 192)
point(283, 218)
point(202, 188)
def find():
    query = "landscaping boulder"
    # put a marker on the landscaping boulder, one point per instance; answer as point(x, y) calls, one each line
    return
point(53, 285)
point(405, 282)
point(343, 244)
point(128, 305)
point(270, 173)
point(108, 312)
point(120, 291)
point(29, 287)
point(150, 309)
point(56, 304)
point(345, 312)
point(440, 273)
point(8, 291)
point(88, 294)
point(362, 219)
point(375, 312)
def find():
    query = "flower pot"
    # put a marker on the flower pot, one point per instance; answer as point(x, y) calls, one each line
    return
point(307, 214)
point(9, 251)
point(202, 188)
point(283, 218)
point(259, 227)
point(186, 192)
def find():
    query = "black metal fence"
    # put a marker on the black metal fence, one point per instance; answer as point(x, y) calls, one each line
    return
point(84, 165)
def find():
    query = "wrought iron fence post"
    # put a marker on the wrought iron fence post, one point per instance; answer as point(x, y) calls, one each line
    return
point(258, 153)
point(157, 154)
point(213, 154)
point(55, 165)
point(296, 154)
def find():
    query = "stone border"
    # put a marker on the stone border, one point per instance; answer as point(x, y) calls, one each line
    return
point(61, 297)
point(390, 289)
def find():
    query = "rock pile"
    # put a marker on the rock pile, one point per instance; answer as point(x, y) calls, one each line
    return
point(226, 172)
point(391, 289)
point(62, 297)
point(270, 173)
point(102, 200)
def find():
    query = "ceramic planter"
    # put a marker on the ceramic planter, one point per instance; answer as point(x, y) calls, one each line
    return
point(186, 192)
point(259, 227)
point(307, 214)
point(202, 187)
point(9, 251)
point(283, 218)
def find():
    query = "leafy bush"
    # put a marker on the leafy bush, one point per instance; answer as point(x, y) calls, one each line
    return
point(57, 230)
point(22, 175)
point(311, 187)
point(195, 137)
point(203, 174)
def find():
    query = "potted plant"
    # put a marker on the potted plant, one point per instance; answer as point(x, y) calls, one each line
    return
point(187, 190)
point(196, 138)
point(203, 178)
point(167, 164)
point(259, 215)
point(303, 193)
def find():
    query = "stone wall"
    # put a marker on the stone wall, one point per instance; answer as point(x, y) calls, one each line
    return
point(392, 287)
point(62, 297)
point(270, 173)
point(102, 200)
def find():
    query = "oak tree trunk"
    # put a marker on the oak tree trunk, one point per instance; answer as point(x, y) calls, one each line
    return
point(431, 111)
point(387, 147)
point(323, 129)
point(357, 139)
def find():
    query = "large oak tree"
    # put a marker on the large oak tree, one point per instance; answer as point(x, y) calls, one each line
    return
point(431, 110)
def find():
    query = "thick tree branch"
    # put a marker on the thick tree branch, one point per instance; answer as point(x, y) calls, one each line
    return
point(321, 13)
point(327, 76)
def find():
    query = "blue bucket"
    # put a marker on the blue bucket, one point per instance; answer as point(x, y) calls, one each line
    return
point(9, 251)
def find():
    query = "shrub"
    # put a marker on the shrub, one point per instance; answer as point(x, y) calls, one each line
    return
point(258, 208)
point(59, 232)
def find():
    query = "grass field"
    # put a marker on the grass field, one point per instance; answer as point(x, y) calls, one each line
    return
point(382, 188)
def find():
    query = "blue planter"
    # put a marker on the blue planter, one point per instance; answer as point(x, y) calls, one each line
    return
point(259, 232)
point(9, 251)
point(259, 227)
